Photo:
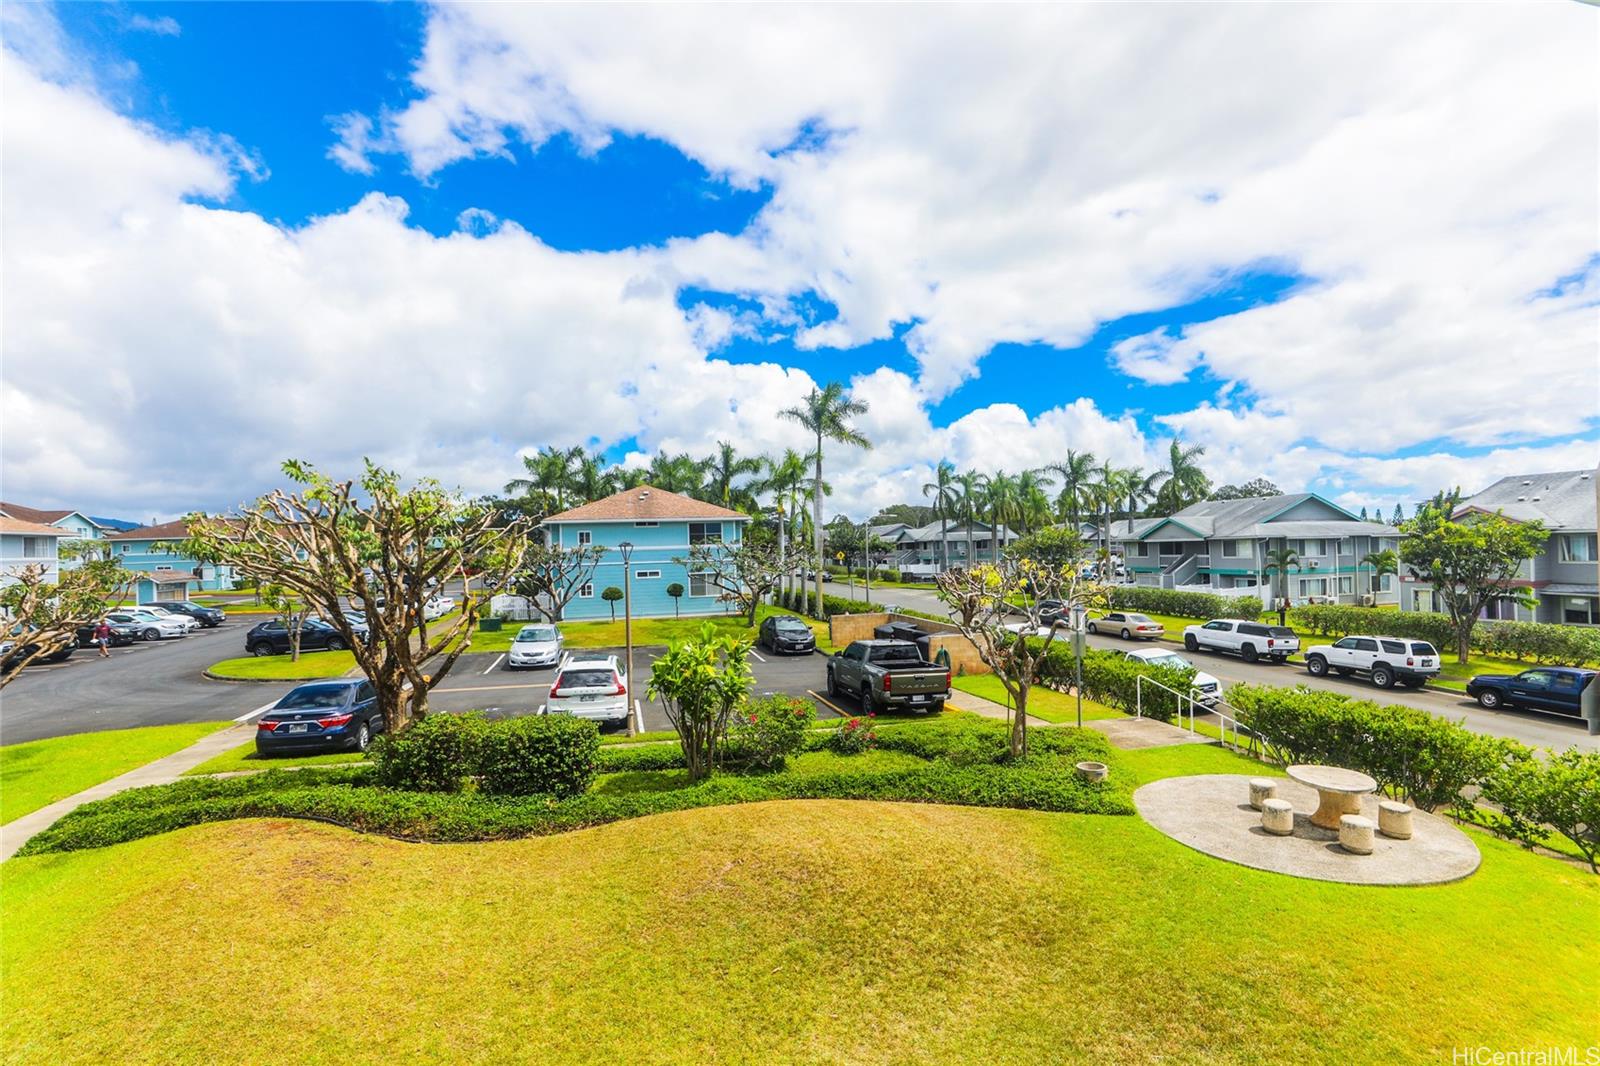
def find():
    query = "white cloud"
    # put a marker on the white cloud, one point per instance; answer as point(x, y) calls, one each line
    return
point(357, 142)
point(164, 26)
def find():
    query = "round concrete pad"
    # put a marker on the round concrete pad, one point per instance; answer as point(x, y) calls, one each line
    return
point(1212, 813)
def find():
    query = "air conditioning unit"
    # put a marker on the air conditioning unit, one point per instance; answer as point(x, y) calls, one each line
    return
point(1313, 564)
point(1368, 600)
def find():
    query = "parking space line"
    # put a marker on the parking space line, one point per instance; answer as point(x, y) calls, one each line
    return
point(757, 655)
point(490, 688)
point(823, 699)
point(494, 664)
point(246, 716)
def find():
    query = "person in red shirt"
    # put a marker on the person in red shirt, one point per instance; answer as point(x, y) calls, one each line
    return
point(102, 637)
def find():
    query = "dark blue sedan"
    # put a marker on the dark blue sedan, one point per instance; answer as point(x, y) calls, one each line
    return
point(321, 716)
point(1545, 688)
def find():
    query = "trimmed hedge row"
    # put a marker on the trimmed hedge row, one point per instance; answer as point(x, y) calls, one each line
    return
point(1540, 641)
point(861, 572)
point(1410, 753)
point(552, 754)
point(1111, 678)
point(801, 603)
point(1185, 604)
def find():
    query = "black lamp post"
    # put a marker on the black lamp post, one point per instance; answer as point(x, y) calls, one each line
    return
point(626, 548)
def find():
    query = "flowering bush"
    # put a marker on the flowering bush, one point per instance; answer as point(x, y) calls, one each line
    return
point(768, 730)
point(854, 737)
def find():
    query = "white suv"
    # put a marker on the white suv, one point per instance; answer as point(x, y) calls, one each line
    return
point(1251, 640)
point(592, 687)
point(189, 624)
point(1385, 659)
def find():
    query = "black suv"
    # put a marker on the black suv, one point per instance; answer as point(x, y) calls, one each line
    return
point(272, 638)
point(209, 617)
point(785, 634)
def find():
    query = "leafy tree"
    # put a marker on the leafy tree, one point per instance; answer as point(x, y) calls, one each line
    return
point(1256, 487)
point(700, 683)
point(678, 473)
point(746, 571)
point(1561, 792)
point(1280, 561)
point(550, 575)
point(1056, 547)
point(826, 413)
point(381, 548)
point(912, 514)
point(989, 600)
point(946, 497)
point(42, 616)
point(1469, 562)
point(1032, 506)
point(1377, 515)
point(675, 591)
point(544, 491)
point(611, 594)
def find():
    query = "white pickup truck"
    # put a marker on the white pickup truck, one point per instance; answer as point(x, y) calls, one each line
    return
point(1384, 659)
point(1251, 640)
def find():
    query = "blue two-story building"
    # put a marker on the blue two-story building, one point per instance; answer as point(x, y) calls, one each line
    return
point(168, 575)
point(661, 527)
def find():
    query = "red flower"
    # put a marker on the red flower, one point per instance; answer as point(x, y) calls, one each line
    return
point(752, 719)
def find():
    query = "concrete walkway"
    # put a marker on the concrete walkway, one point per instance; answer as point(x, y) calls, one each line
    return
point(1144, 733)
point(163, 771)
point(966, 701)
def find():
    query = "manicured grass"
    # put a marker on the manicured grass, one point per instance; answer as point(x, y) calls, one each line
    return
point(1043, 703)
point(244, 757)
point(638, 738)
point(780, 932)
point(38, 773)
point(606, 634)
point(312, 666)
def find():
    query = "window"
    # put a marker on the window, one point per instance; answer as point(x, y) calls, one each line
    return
point(645, 525)
point(1564, 682)
point(705, 533)
point(1368, 644)
point(1142, 550)
point(1170, 547)
point(1393, 647)
point(1221, 627)
point(1313, 586)
point(700, 585)
point(1230, 549)
point(35, 547)
point(1344, 545)
point(1346, 585)
point(1297, 546)
point(1534, 678)
point(1347, 643)
point(585, 536)
point(586, 590)
point(1316, 547)
point(1577, 548)
point(1579, 611)
point(645, 575)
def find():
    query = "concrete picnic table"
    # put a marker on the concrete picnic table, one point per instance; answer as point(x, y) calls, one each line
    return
point(1339, 791)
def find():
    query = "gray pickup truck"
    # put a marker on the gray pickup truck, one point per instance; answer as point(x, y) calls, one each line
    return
point(888, 675)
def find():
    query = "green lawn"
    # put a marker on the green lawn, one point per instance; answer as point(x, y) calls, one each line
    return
point(244, 757)
point(312, 666)
point(792, 931)
point(38, 773)
point(1043, 703)
point(606, 634)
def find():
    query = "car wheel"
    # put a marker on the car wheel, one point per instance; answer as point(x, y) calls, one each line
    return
point(1125, 634)
point(1189, 643)
point(1316, 665)
point(363, 737)
point(866, 701)
point(1249, 653)
point(335, 644)
point(1382, 676)
point(1490, 699)
point(150, 634)
point(261, 648)
point(1091, 628)
point(829, 687)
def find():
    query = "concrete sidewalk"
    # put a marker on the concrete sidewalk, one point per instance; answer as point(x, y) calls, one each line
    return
point(163, 771)
point(1126, 733)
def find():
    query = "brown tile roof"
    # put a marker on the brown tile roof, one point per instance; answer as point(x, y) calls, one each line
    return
point(165, 531)
point(644, 504)
point(32, 514)
point(8, 524)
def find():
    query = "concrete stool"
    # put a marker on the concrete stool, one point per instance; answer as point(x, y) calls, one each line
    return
point(1277, 817)
point(1355, 834)
point(1394, 820)
point(1262, 788)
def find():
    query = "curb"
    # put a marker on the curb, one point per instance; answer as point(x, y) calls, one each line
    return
point(208, 675)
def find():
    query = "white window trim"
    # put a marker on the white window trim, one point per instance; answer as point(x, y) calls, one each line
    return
point(646, 575)
point(707, 580)
point(585, 536)
point(1567, 540)
point(586, 591)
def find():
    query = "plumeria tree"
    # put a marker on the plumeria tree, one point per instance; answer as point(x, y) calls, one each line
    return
point(744, 571)
point(42, 617)
point(701, 683)
point(380, 547)
point(551, 575)
point(997, 607)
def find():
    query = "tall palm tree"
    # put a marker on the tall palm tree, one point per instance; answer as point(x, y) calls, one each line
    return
point(1002, 504)
point(1382, 562)
point(1280, 561)
point(680, 473)
point(784, 477)
point(589, 479)
point(1112, 485)
point(946, 496)
point(826, 412)
point(1031, 500)
point(1077, 473)
point(549, 476)
point(1182, 482)
point(726, 467)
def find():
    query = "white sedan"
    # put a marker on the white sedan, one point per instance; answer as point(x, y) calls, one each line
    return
point(147, 610)
point(437, 607)
point(1207, 689)
point(150, 627)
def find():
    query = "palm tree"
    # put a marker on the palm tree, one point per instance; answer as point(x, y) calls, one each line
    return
point(1182, 482)
point(681, 473)
point(549, 473)
point(589, 479)
point(1382, 562)
point(1002, 504)
point(724, 468)
point(1077, 471)
point(1280, 561)
point(1031, 500)
point(826, 413)
point(784, 478)
point(1112, 485)
point(971, 489)
point(946, 495)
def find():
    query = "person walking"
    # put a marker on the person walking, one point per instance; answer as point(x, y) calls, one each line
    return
point(102, 637)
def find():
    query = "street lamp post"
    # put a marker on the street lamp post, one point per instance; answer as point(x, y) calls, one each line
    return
point(1080, 614)
point(626, 548)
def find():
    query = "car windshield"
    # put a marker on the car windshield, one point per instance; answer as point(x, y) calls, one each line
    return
point(540, 634)
point(1167, 659)
point(791, 625)
point(313, 696)
point(1422, 648)
point(587, 679)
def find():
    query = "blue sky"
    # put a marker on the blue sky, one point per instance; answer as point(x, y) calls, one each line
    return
point(722, 217)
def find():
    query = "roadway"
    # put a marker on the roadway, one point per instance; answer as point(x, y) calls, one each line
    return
point(1530, 727)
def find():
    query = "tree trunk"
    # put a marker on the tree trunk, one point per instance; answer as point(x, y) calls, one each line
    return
point(816, 522)
point(1019, 724)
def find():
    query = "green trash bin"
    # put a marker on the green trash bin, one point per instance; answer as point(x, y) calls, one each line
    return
point(490, 625)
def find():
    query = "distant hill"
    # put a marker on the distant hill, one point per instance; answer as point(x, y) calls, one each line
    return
point(114, 523)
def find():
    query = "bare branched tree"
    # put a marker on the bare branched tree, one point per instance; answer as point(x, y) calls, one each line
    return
point(42, 617)
point(382, 551)
point(745, 572)
point(550, 575)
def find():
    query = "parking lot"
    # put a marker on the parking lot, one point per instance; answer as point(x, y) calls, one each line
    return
point(480, 681)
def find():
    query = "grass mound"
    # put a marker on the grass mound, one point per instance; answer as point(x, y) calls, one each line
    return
point(312, 666)
point(39, 772)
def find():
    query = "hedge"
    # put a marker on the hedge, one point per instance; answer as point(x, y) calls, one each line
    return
point(1185, 604)
point(1540, 641)
point(1561, 792)
point(534, 754)
point(1410, 753)
point(803, 602)
point(1111, 678)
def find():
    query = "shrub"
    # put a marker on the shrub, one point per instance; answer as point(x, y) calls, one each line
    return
point(614, 760)
point(1539, 641)
point(1112, 678)
point(1410, 753)
point(801, 603)
point(1185, 604)
point(434, 754)
point(854, 737)
point(553, 754)
point(1561, 792)
point(768, 730)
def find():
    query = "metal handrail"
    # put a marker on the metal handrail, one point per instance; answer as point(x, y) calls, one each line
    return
point(1224, 719)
